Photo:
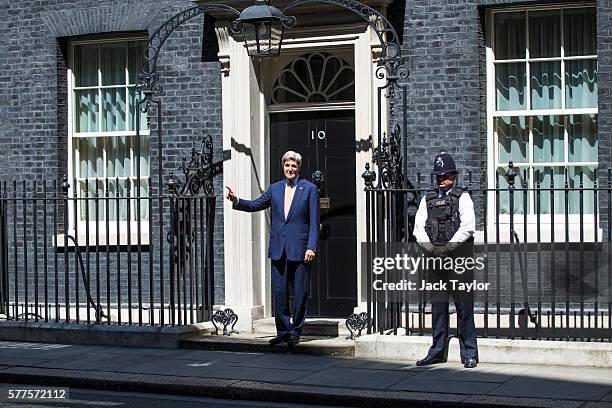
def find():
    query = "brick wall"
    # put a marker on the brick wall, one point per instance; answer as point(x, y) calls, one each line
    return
point(33, 103)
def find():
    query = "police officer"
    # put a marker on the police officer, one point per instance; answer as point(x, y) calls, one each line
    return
point(444, 227)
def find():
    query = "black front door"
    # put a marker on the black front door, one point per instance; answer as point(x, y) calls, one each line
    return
point(326, 141)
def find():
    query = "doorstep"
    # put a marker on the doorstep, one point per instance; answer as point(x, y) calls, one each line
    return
point(315, 326)
point(258, 343)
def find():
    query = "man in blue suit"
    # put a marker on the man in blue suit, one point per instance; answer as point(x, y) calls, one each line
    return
point(294, 230)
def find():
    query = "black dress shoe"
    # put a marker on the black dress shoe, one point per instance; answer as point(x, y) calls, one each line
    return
point(429, 360)
point(293, 340)
point(470, 362)
point(277, 340)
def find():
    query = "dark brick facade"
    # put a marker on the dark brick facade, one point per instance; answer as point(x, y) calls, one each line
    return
point(33, 88)
point(443, 41)
point(444, 44)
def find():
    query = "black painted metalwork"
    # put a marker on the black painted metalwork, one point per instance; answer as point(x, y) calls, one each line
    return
point(261, 27)
point(390, 158)
point(319, 180)
point(225, 317)
point(193, 201)
point(198, 172)
point(356, 323)
point(369, 176)
point(567, 293)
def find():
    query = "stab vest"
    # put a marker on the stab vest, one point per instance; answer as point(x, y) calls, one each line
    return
point(442, 216)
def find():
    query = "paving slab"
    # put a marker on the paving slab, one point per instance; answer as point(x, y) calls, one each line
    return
point(445, 387)
point(214, 370)
point(228, 356)
point(39, 350)
point(288, 362)
point(354, 378)
point(482, 373)
point(588, 374)
point(491, 400)
point(379, 365)
point(530, 386)
point(22, 361)
point(94, 361)
point(136, 351)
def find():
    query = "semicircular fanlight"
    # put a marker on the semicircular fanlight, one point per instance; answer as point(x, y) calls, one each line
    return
point(315, 78)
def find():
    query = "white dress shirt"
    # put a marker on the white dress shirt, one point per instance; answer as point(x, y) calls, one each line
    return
point(289, 193)
point(467, 223)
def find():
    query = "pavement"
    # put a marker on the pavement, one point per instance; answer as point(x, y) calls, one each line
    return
point(305, 379)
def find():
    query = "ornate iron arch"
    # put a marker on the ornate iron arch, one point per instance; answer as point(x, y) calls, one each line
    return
point(391, 63)
point(148, 79)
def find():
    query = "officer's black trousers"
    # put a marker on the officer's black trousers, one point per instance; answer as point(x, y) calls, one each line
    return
point(466, 330)
point(464, 305)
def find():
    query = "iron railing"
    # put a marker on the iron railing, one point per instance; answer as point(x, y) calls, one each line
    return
point(547, 248)
point(65, 258)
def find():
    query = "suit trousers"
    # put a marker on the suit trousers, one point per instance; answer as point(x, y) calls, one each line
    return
point(284, 273)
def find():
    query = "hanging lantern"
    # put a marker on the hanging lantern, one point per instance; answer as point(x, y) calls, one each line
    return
point(262, 29)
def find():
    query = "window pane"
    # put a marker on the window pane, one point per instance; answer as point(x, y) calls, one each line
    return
point(113, 109)
point(546, 85)
point(133, 99)
point(582, 134)
point(548, 139)
point(581, 84)
point(512, 140)
point(585, 177)
point(118, 192)
point(144, 156)
point(580, 29)
point(510, 80)
point(509, 35)
point(88, 152)
point(135, 54)
point(86, 65)
point(89, 189)
point(86, 104)
point(113, 63)
point(520, 196)
point(544, 34)
point(118, 156)
point(546, 179)
point(144, 203)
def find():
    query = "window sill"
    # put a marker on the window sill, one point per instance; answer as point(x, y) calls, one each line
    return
point(590, 233)
point(101, 240)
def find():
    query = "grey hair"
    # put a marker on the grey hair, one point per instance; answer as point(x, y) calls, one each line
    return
point(291, 155)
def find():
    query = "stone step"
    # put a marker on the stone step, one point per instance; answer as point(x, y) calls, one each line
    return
point(313, 327)
point(257, 343)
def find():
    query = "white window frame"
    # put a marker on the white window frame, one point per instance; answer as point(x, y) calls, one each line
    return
point(591, 231)
point(82, 226)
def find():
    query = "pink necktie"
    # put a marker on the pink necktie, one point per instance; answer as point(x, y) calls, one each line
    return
point(288, 198)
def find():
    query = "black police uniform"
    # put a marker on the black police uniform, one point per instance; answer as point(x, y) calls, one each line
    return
point(443, 221)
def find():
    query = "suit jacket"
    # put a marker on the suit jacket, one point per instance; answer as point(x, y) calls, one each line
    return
point(297, 233)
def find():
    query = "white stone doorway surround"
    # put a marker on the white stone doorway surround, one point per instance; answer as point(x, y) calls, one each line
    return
point(246, 138)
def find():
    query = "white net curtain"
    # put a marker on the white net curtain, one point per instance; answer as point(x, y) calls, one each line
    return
point(103, 138)
point(545, 117)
